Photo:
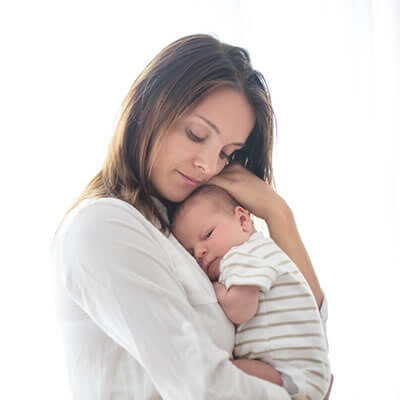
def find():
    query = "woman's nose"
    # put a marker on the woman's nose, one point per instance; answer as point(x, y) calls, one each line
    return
point(207, 162)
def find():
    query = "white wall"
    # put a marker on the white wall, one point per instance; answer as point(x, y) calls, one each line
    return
point(332, 70)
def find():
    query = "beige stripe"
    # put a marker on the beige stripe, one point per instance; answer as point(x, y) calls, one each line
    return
point(272, 253)
point(261, 245)
point(316, 387)
point(248, 276)
point(251, 341)
point(294, 272)
point(250, 266)
point(236, 253)
point(287, 284)
point(252, 353)
point(313, 360)
point(277, 337)
point(292, 296)
point(284, 262)
point(294, 336)
point(287, 310)
point(311, 321)
point(308, 397)
point(246, 253)
point(297, 348)
point(315, 373)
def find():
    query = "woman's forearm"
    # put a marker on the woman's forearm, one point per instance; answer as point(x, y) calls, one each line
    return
point(283, 230)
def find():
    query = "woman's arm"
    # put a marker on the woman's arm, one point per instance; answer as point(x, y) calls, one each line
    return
point(112, 268)
point(261, 200)
point(283, 230)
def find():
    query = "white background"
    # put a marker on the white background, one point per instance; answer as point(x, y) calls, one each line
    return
point(332, 69)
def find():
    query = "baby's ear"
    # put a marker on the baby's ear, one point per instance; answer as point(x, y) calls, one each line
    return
point(244, 218)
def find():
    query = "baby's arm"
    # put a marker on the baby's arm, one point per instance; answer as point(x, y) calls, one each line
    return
point(259, 369)
point(239, 303)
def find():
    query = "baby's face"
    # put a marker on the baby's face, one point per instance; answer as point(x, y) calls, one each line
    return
point(208, 233)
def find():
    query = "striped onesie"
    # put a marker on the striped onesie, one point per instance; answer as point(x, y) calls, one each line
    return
point(287, 331)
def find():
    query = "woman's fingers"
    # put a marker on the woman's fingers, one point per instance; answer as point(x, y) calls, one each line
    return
point(249, 190)
point(239, 182)
point(234, 173)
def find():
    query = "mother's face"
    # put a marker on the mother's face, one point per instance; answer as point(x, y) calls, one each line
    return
point(197, 146)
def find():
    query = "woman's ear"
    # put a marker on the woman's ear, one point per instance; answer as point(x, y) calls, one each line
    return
point(243, 217)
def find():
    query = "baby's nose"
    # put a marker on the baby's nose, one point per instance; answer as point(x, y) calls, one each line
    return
point(200, 252)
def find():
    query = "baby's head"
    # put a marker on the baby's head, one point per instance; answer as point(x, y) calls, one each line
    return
point(208, 224)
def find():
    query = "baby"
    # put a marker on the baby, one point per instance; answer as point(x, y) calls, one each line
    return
point(260, 290)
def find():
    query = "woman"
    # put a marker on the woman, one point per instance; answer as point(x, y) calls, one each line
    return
point(139, 317)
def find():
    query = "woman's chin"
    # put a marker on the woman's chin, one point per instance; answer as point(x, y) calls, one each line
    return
point(178, 193)
point(177, 196)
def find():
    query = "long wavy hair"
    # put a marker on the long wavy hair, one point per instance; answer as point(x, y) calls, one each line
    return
point(174, 82)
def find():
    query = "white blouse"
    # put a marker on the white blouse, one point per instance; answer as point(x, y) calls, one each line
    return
point(139, 317)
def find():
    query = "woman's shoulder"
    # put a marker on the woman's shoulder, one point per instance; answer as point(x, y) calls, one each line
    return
point(102, 235)
point(103, 210)
point(99, 207)
point(96, 221)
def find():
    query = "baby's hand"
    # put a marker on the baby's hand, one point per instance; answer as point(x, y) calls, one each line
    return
point(220, 291)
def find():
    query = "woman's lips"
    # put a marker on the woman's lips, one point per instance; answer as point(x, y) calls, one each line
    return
point(189, 180)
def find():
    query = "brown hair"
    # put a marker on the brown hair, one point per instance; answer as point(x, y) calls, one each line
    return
point(179, 77)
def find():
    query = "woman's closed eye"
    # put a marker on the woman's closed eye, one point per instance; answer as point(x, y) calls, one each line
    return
point(194, 137)
point(199, 139)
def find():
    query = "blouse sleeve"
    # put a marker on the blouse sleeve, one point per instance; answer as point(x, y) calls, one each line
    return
point(116, 272)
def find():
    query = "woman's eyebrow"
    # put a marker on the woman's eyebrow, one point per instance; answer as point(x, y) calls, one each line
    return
point(209, 123)
point(214, 127)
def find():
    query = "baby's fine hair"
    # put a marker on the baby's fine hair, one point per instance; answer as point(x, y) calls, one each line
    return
point(222, 198)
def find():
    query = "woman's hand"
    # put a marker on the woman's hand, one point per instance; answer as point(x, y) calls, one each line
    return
point(260, 199)
point(250, 191)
